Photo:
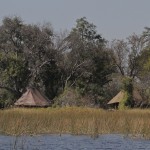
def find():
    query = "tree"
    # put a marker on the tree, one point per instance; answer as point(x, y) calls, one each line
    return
point(27, 57)
point(125, 55)
point(42, 58)
point(120, 51)
point(13, 65)
point(126, 58)
point(144, 65)
point(87, 61)
point(136, 44)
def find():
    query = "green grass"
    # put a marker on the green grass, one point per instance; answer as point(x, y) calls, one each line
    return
point(74, 120)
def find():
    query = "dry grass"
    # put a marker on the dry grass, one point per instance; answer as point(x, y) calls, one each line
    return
point(74, 120)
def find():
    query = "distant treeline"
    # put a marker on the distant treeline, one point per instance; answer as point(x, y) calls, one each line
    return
point(77, 67)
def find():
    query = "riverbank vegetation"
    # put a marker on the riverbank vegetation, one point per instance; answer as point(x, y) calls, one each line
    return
point(75, 68)
point(74, 120)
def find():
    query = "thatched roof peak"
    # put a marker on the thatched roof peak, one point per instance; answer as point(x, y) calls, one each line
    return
point(120, 96)
point(32, 98)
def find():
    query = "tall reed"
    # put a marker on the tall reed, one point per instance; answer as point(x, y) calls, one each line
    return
point(74, 120)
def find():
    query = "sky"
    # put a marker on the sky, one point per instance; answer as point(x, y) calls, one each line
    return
point(115, 19)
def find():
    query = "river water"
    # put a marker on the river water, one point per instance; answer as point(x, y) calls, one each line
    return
point(70, 142)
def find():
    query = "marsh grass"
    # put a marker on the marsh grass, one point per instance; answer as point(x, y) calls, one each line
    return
point(74, 120)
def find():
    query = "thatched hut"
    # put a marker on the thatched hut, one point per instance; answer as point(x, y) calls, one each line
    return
point(114, 102)
point(32, 98)
point(137, 98)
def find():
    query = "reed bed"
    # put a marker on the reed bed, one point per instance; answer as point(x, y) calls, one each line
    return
point(74, 120)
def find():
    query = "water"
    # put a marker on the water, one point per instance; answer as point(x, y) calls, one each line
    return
point(69, 142)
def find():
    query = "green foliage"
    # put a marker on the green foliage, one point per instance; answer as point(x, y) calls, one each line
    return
point(144, 62)
point(73, 97)
point(6, 98)
point(14, 73)
point(127, 101)
point(127, 84)
point(88, 51)
point(94, 91)
point(25, 53)
point(122, 104)
point(69, 97)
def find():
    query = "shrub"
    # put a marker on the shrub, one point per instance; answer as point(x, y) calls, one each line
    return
point(71, 97)
point(127, 102)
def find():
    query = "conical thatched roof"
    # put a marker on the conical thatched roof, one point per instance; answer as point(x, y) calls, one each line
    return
point(32, 98)
point(119, 97)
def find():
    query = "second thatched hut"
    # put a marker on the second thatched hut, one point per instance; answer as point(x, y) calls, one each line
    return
point(115, 101)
